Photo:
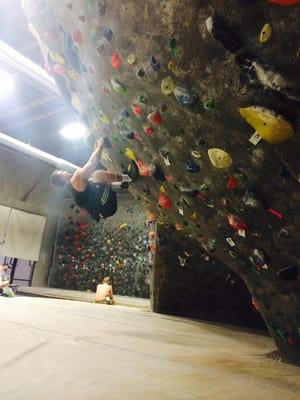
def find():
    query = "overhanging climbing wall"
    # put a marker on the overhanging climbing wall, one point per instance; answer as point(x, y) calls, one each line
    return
point(202, 98)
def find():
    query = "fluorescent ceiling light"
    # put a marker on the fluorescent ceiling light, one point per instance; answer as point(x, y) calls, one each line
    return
point(73, 131)
point(7, 83)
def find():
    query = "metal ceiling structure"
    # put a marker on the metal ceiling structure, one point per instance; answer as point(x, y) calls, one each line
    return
point(35, 112)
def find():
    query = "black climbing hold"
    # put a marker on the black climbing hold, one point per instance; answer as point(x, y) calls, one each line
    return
point(223, 33)
point(289, 273)
point(154, 64)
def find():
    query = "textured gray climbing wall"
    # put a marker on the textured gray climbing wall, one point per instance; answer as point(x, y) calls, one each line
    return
point(172, 83)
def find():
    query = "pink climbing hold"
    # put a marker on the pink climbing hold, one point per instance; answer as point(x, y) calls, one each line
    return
point(116, 61)
point(77, 37)
point(59, 69)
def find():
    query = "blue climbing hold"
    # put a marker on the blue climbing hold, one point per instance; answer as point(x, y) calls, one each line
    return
point(191, 166)
point(108, 34)
point(187, 98)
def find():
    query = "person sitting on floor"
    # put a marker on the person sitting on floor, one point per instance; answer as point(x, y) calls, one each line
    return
point(104, 293)
point(5, 289)
point(91, 189)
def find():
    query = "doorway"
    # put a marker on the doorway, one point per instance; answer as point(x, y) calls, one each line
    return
point(19, 271)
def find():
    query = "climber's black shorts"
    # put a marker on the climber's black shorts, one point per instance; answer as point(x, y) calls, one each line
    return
point(105, 201)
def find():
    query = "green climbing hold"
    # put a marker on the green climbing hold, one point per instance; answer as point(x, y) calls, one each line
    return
point(117, 86)
point(209, 104)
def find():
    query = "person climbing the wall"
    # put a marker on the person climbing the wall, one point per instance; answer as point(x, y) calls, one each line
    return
point(104, 293)
point(91, 189)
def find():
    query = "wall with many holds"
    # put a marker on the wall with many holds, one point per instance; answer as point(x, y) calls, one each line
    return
point(117, 247)
point(201, 98)
point(191, 283)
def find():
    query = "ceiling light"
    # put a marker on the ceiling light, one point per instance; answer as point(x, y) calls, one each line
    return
point(73, 131)
point(7, 83)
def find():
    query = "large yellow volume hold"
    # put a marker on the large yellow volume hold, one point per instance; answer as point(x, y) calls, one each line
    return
point(273, 128)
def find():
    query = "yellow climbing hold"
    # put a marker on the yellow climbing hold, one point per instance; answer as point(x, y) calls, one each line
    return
point(162, 189)
point(124, 225)
point(104, 118)
point(130, 154)
point(131, 59)
point(167, 85)
point(72, 74)
point(194, 215)
point(273, 128)
point(57, 58)
point(172, 66)
point(76, 103)
point(265, 33)
point(219, 158)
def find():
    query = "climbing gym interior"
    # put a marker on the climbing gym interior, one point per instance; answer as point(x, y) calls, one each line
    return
point(149, 202)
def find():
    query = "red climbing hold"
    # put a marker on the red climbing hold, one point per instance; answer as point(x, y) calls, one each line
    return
point(137, 110)
point(232, 183)
point(236, 223)
point(155, 118)
point(149, 130)
point(164, 201)
point(285, 2)
point(116, 61)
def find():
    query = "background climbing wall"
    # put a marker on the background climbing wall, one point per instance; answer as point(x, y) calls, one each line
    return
point(191, 283)
point(116, 247)
point(165, 81)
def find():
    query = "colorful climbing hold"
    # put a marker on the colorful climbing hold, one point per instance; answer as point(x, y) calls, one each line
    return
point(140, 72)
point(187, 98)
point(164, 201)
point(236, 223)
point(117, 86)
point(172, 66)
point(108, 34)
point(131, 59)
point(155, 118)
point(149, 130)
point(172, 47)
point(144, 168)
point(196, 154)
point(103, 118)
point(77, 36)
point(76, 103)
point(154, 64)
point(167, 85)
point(116, 61)
point(130, 154)
point(285, 2)
point(232, 183)
point(208, 104)
point(192, 167)
point(265, 33)
point(273, 128)
point(219, 158)
point(223, 33)
point(137, 110)
point(142, 99)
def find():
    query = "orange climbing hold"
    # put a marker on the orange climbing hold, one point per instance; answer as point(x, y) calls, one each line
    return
point(164, 201)
point(116, 61)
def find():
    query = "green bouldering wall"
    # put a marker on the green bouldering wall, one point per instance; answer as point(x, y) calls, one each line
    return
point(165, 80)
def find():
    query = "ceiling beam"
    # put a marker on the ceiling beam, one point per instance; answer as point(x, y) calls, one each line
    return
point(15, 61)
